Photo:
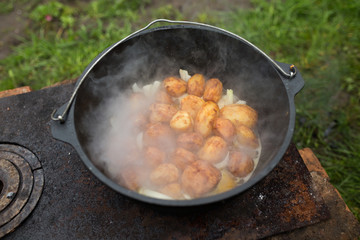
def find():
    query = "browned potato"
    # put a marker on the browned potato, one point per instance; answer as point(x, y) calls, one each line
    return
point(161, 112)
point(164, 174)
point(196, 85)
point(225, 129)
point(159, 135)
point(175, 86)
point(173, 190)
point(240, 164)
point(239, 114)
point(181, 122)
point(192, 105)
point(162, 97)
point(191, 141)
point(205, 118)
point(154, 156)
point(214, 150)
point(182, 157)
point(199, 178)
point(213, 90)
point(246, 137)
point(131, 177)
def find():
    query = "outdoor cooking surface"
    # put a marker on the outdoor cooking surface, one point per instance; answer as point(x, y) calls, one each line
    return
point(75, 204)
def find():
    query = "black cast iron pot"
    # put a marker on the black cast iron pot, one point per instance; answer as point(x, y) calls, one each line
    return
point(267, 86)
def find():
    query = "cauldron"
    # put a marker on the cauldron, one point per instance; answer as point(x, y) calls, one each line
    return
point(268, 86)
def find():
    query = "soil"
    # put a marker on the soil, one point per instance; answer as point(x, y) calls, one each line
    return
point(13, 24)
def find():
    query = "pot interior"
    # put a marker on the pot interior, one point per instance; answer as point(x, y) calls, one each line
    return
point(157, 53)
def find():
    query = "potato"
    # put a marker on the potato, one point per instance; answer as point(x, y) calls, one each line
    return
point(213, 90)
point(131, 177)
point(181, 122)
point(164, 174)
point(214, 150)
point(191, 141)
point(182, 157)
point(196, 85)
point(199, 178)
point(154, 156)
point(246, 137)
point(159, 135)
point(174, 86)
point(225, 129)
point(205, 118)
point(240, 114)
point(192, 104)
point(161, 112)
point(240, 164)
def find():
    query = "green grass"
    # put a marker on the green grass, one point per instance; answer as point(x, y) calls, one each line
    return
point(320, 37)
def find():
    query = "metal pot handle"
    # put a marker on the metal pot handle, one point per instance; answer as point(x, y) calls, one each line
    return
point(62, 117)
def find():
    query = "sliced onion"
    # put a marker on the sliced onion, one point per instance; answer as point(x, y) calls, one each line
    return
point(184, 75)
point(154, 194)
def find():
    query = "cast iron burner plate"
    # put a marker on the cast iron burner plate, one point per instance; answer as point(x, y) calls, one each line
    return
point(74, 204)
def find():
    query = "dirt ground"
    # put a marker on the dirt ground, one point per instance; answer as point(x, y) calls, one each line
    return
point(13, 25)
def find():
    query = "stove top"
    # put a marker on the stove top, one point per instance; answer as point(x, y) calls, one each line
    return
point(67, 201)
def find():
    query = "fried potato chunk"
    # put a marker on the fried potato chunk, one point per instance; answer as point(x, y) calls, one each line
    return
point(175, 86)
point(131, 177)
point(182, 158)
point(205, 118)
point(213, 90)
point(196, 85)
point(181, 122)
point(191, 141)
point(240, 114)
point(192, 104)
point(164, 174)
point(199, 178)
point(161, 112)
point(225, 129)
point(173, 190)
point(246, 137)
point(214, 150)
point(154, 156)
point(240, 164)
point(159, 135)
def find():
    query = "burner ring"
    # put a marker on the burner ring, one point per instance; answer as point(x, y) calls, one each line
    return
point(22, 181)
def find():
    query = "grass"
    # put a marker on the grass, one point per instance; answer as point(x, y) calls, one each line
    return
point(320, 37)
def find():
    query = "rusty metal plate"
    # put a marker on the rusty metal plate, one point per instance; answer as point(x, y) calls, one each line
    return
point(77, 205)
point(10, 179)
point(21, 189)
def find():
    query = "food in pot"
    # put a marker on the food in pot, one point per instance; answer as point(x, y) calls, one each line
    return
point(199, 178)
point(240, 114)
point(205, 118)
point(214, 150)
point(181, 122)
point(191, 104)
point(175, 86)
point(192, 140)
point(196, 85)
point(240, 164)
point(213, 90)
